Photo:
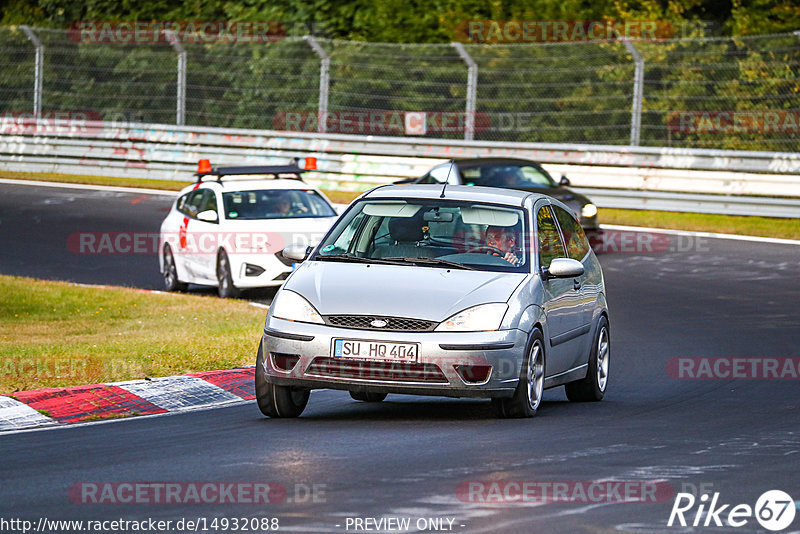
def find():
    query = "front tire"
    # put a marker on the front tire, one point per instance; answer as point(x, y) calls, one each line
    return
point(528, 395)
point(277, 401)
point(365, 396)
point(593, 387)
point(170, 273)
point(225, 287)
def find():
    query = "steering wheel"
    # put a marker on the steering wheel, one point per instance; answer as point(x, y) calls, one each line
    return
point(487, 248)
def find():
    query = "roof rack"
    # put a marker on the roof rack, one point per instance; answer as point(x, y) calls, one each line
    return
point(273, 170)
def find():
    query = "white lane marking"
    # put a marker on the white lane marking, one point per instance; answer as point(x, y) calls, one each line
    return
point(70, 185)
point(710, 235)
point(15, 415)
point(177, 392)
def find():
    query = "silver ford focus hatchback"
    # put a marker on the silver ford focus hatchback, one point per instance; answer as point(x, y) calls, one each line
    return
point(460, 292)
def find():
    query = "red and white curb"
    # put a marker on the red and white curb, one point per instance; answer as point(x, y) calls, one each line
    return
point(73, 404)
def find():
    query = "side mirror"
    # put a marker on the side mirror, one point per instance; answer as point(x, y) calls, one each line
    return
point(564, 181)
point(563, 268)
point(208, 216)
point(297, 253)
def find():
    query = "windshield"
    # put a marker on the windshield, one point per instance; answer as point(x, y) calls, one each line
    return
point(507, 175)
point(275, 204)
point(430, 233)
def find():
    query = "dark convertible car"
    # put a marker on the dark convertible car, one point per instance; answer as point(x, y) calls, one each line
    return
point(513, 173)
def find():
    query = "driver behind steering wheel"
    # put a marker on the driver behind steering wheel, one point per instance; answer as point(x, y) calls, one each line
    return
point(504, 240)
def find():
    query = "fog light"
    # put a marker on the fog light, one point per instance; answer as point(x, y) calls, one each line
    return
point(284, 362)
point(473, 374)
point(252, 270)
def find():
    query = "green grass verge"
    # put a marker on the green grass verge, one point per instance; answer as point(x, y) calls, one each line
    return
point(58, 334)
point(699, 222)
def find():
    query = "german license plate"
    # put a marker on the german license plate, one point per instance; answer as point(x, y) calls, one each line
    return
point(374, 350)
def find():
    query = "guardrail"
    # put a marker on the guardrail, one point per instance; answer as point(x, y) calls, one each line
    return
point(710, 181)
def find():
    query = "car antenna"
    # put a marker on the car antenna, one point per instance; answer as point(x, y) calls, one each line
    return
point(452, 164)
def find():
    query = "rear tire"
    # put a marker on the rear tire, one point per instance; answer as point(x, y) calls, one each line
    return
point(528, 395)
point(170, 273)
point(593, 387)
point(225, 287)
point(277, 401)
point(365, 396)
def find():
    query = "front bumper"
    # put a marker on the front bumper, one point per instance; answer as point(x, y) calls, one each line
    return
point(435, 372)
point(274, 274)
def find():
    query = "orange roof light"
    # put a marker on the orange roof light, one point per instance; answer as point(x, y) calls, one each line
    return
point(311, 164)
point(203, 166)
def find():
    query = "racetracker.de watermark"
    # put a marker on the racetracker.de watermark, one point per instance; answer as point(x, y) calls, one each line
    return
point(728, 368)
point(545, 31)
point(195, 492)
point(50, 122)
point(382, 122)
point(189, 32)
point(728, 122)
point(642, 242)
point(570, 491)
point(183, 242)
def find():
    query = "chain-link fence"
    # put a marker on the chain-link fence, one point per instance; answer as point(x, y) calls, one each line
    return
point(734, 93)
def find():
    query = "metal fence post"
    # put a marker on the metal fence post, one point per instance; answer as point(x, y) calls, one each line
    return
point(472, 90)
point(324, 81)
point(39, 71)
point(638, 92)
point(180, 111)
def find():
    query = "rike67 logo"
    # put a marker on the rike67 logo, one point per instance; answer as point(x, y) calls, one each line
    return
point(774, 510)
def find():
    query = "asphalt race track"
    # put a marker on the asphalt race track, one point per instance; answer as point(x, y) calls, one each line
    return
point(412, 457)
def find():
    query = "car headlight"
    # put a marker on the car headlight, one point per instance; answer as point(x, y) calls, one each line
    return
point(482, 318)
point(589, 210)
point(291, 306)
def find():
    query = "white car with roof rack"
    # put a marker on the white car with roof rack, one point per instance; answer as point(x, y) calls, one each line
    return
point(229, 227)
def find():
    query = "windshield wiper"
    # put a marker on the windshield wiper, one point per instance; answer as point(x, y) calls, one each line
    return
point(355, 259)
point(433, 261)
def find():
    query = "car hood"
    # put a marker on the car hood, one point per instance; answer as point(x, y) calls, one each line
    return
point(430, 293)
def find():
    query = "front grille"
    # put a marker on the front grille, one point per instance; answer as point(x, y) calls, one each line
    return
point(396, 324)
point(367, 370)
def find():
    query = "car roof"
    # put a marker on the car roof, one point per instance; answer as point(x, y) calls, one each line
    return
point(494, 195)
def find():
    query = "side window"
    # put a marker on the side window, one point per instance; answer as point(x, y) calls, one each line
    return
point(209, 201)
point(192, 203)
point(574, 236)
point(550, 246)
point(181, 204)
